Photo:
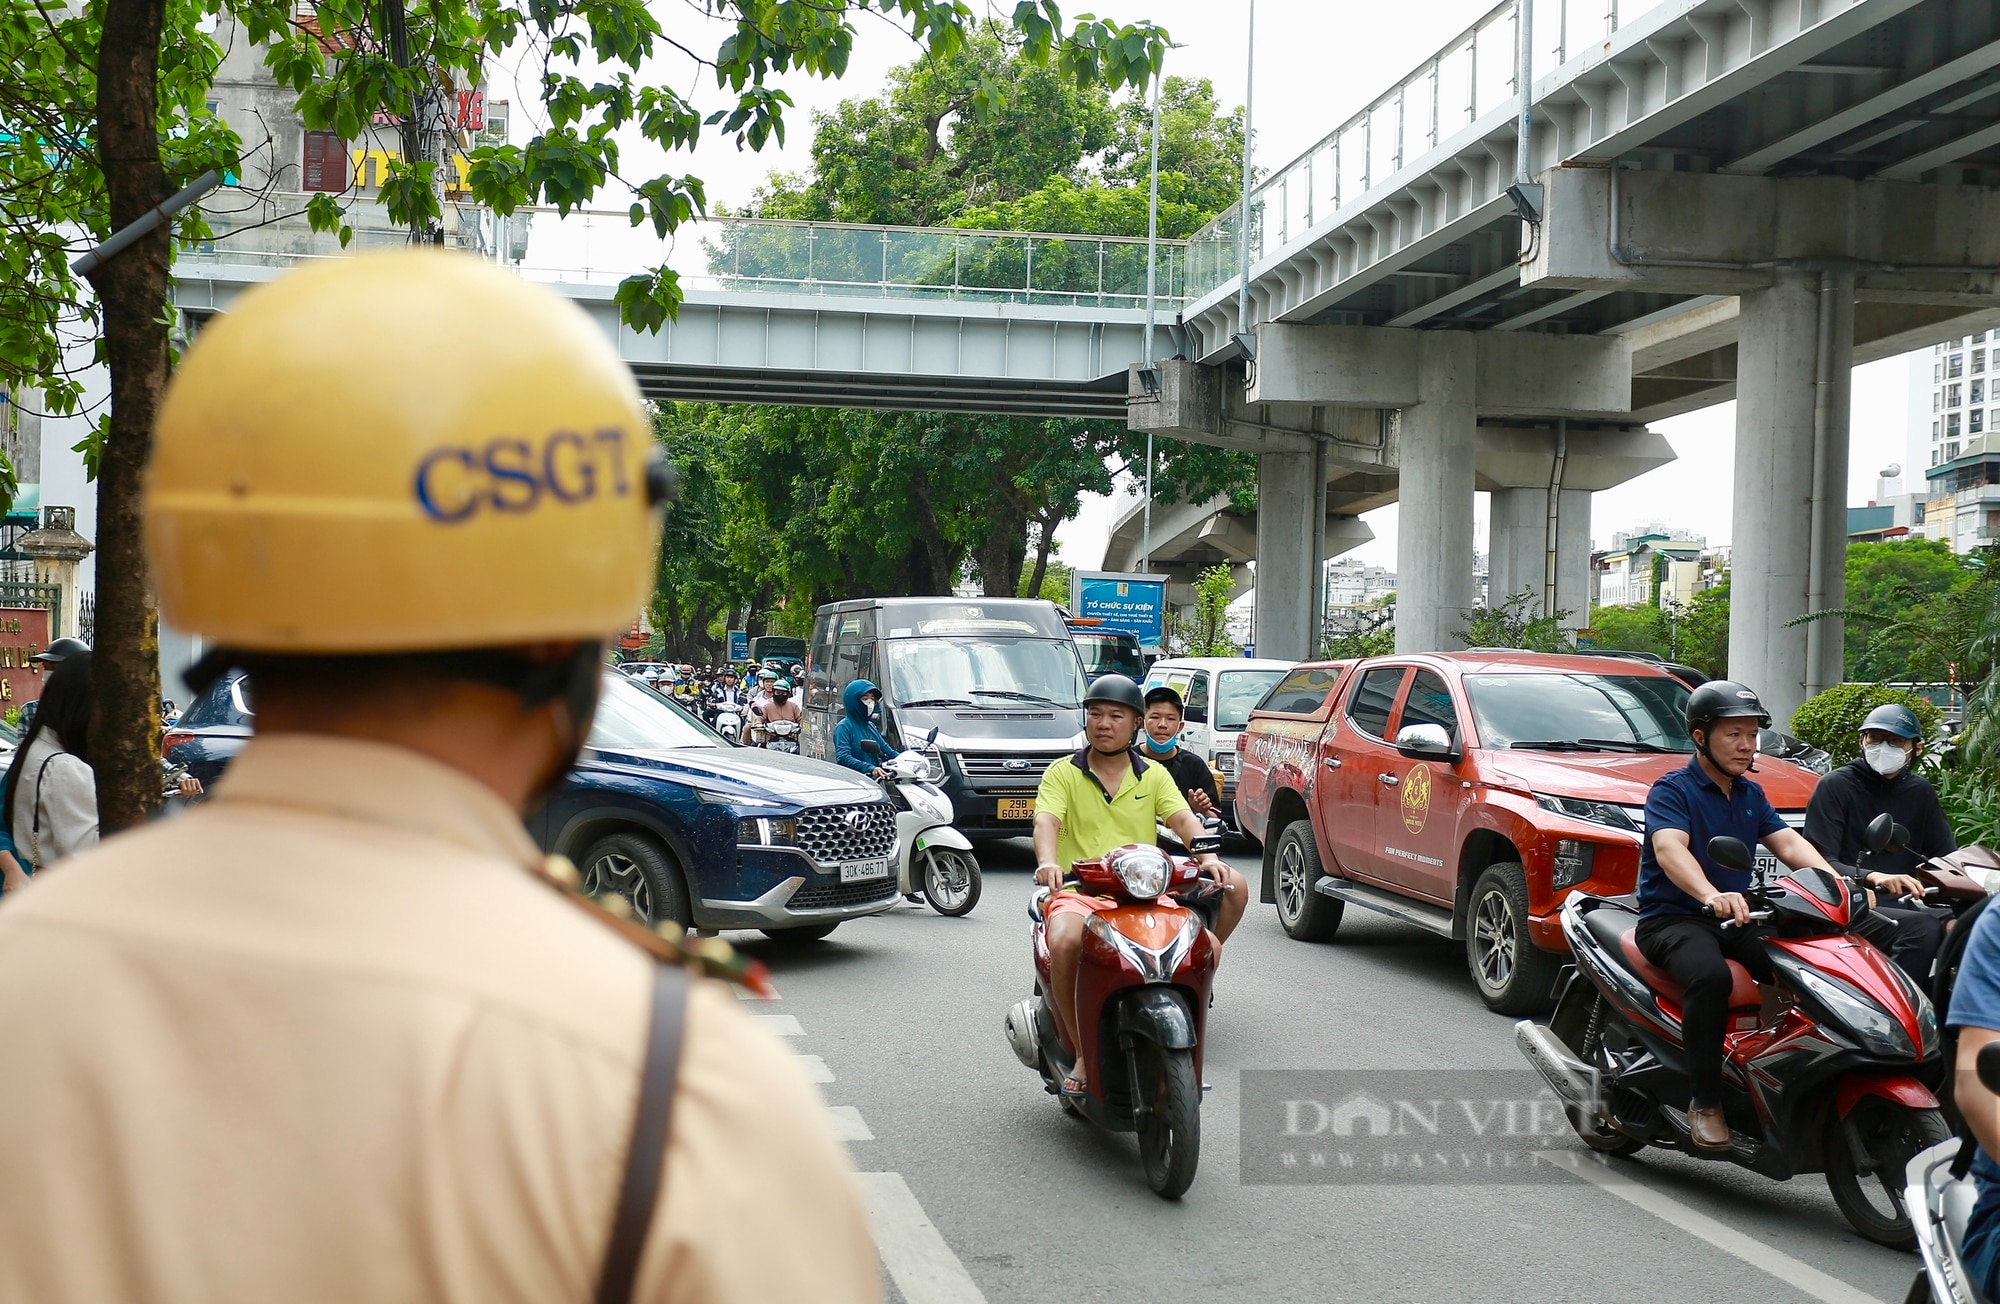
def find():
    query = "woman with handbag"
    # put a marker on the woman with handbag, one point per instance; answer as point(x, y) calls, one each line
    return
point(50, 801)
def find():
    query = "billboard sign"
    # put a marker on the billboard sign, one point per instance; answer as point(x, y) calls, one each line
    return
point(1134, 603)
point(739, 645)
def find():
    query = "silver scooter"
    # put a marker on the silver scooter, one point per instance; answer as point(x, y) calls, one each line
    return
point(1939, 1196)
point(932, 857)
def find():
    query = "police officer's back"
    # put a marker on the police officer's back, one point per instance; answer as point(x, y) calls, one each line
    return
point(329, 1036)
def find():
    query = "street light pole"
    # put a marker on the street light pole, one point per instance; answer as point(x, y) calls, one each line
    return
point(1243, 208)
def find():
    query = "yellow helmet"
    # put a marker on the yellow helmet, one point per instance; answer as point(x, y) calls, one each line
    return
point(401, 452)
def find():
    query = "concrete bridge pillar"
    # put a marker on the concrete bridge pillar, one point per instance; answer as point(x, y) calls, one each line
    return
point(1518, 558)
point(1434, 522)
point(1287, 556)
point(1791, 486)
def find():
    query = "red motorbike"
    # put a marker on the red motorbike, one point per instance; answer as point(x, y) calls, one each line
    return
point(1830, 1068)
point(1142, 1001)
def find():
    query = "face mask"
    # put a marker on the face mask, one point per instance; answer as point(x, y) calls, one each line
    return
point(1162, 749)
point(1884, 758)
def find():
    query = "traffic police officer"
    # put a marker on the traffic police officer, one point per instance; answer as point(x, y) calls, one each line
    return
point(332, 1036)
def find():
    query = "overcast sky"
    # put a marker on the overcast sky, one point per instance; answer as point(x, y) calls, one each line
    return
point(1317, 62)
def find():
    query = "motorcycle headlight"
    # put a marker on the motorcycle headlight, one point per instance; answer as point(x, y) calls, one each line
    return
point(1143, 871)
point(1874, 1027)
point(1597, 812)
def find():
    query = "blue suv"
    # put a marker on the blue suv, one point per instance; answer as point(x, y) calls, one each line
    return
point(673, 817)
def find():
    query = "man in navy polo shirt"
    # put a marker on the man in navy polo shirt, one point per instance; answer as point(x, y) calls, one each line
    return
point(1684, 896)
point(1975, 1012)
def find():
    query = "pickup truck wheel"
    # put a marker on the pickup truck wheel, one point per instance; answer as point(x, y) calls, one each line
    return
point(1304, 914)
point(1514, 976)
point(642, 871)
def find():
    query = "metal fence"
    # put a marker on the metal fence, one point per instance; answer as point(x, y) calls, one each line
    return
point(26, 593)
point(756, 254)
point(1473, 74)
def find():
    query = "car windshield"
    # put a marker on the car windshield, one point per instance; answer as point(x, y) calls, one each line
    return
point(1237, 693)
point(1580, 711)
point(634, 718)
point(990, 672)
point(1106, 654)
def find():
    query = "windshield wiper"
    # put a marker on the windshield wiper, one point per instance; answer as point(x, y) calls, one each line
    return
point(1628, 745)
point(1024, 697)
point(1555, 745)
point(936, 701)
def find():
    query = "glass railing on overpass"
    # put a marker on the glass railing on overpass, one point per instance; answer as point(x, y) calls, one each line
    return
point(1469, 77)
point(759, 255)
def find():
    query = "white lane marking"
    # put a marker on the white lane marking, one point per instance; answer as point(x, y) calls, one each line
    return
point(912, 1249)
point(780, 1025)
point(848, 1124)
point(815, 1068)
point(745, 994)
point(1799, 1275)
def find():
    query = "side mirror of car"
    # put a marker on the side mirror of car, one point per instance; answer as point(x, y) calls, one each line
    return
point(1730, 853)
point(1880, 831)
point(1423, 740)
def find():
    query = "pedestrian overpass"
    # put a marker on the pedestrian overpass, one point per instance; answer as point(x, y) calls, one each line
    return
point(1740, 199)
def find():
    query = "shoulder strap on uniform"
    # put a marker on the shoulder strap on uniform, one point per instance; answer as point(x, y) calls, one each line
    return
point(646, 1158)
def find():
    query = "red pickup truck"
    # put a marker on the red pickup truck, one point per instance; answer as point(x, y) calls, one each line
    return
point(1467, 793)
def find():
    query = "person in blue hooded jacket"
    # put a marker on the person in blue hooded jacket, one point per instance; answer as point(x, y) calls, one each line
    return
point(857, 743)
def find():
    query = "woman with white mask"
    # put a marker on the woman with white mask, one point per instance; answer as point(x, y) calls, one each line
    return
point(1884, 781)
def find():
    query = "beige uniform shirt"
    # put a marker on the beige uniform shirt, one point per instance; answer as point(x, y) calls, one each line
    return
point(324, 1039)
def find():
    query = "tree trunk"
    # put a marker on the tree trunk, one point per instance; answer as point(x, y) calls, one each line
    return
point(1005, 547)
point(1045, 544)
point(125, 672)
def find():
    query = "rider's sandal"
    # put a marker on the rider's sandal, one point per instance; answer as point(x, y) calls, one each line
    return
point(1074, 1087)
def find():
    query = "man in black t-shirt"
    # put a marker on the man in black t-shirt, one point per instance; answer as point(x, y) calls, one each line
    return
point(1159, 742)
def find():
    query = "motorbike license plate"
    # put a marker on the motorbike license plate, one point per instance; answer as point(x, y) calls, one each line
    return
point(860, 871)
point(1769, 869)
point(1016, 808)
point(785, 745)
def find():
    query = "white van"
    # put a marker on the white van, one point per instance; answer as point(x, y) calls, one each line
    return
point(1218, 693)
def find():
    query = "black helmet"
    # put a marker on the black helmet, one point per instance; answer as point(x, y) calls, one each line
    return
point(62, 650)
point(1723, 699)
point(1119, 689)
point(1893, 718)
point(1163, 693)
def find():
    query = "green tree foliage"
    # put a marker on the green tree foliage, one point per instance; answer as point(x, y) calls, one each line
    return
point(1832, 720)
point(1205, 631)
point(1892, 581)
point(1693, 633)
point(1515, 622)
point(1368, 631)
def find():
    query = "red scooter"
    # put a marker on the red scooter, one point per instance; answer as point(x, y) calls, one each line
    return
point(1830, 1068)
point(1142, 1002)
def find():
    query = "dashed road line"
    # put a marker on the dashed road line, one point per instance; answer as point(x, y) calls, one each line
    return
point(1793, 1272)
point(815, 1069)
point(848, 1124)
point(913, 1250)
point(780, 1025)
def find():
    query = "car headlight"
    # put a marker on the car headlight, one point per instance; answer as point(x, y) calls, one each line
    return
point(1225, 763)
point(763, 832)
point(935, 761)
point(1143, 871)
point(1597, 812)
point(1874, 1027)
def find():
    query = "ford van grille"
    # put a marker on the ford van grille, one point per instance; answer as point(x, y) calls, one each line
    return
point(1023, 770)
point(832, 835)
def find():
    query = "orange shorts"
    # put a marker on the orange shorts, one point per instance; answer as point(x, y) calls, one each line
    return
point(1072, 902)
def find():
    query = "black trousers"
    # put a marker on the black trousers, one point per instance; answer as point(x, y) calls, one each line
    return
point(1696, 950)
point(1919, 934)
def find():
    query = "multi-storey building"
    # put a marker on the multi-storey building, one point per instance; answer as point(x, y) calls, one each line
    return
point(1953, 412)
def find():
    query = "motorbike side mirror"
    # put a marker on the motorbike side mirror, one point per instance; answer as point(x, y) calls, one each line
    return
point(1989, 1066)
point(930, 739)
point(1876, 837)
point(1730, 853)
point(1423, 740)
point(1899, 838)
point(1207, 846)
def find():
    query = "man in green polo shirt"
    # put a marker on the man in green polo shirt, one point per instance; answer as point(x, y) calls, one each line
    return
point(1104, 797)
